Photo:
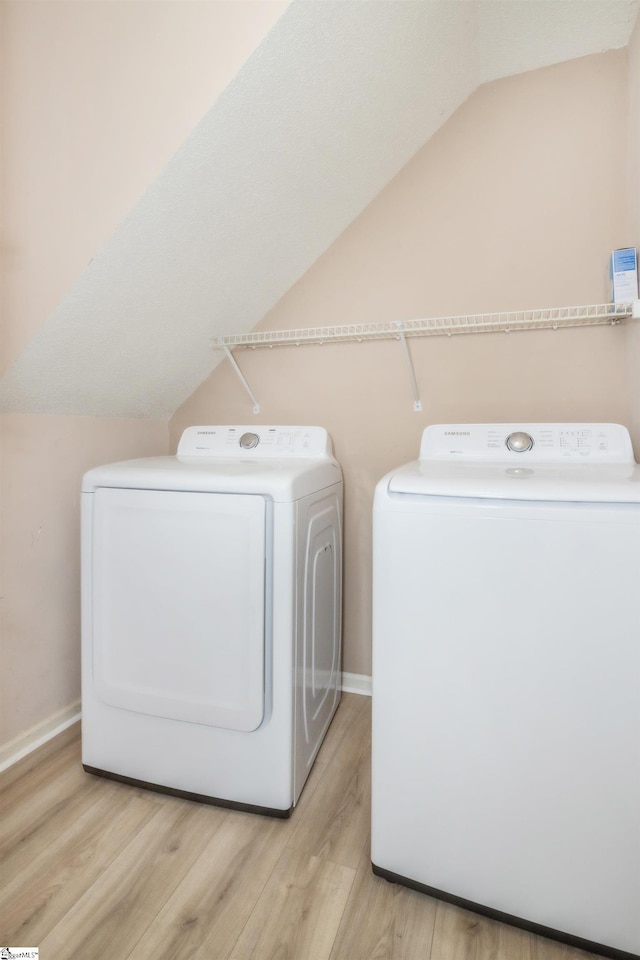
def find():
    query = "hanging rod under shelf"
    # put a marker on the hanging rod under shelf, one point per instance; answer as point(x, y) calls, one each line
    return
point(552, 317)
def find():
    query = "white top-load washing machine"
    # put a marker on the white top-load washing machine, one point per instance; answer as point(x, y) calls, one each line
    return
point(506, 677)
point(211, 602)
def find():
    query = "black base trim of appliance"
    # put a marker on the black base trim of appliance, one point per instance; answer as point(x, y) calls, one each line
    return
point(528, 925)
point(187, 795)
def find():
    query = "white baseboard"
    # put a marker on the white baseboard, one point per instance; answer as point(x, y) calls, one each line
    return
point(356, 683)
point(27, 742)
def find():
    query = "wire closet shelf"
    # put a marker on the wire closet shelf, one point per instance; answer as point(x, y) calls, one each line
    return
point(548, 318)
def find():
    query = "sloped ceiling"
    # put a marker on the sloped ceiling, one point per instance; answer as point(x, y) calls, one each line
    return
point(330, 107)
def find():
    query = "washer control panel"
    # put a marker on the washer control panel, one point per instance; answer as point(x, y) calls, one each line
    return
point(535, 442)
point(254, 442)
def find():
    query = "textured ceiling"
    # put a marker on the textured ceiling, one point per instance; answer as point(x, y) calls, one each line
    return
point(328, 109)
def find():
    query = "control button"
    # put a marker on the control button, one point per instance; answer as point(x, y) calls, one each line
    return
point(519, 442)
point(249, 440)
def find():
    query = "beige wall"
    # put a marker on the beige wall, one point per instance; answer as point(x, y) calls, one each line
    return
point(43, 462)
point(515, 203)
point(96, 97)
point(633, 234)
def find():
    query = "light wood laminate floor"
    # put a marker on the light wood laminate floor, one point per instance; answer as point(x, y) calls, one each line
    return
point(93, 869)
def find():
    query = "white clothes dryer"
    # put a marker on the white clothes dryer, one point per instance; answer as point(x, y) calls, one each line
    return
point(211, 615)
point(506, 677)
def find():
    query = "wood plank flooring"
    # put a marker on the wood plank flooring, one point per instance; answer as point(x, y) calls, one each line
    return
point(91, 869)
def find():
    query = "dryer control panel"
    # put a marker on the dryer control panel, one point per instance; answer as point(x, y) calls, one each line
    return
point(255, 442)
point(524, 442)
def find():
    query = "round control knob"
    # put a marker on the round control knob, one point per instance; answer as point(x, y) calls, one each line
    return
point(519, 442)
point(249, 440)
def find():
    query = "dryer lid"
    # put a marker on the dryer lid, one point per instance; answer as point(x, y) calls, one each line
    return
point(285, 464)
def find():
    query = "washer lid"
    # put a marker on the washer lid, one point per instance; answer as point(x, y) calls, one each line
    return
point(584, 462)
point(618, 483)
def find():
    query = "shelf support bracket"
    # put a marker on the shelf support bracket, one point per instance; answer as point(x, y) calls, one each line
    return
point(417, 402)
point(241, 377)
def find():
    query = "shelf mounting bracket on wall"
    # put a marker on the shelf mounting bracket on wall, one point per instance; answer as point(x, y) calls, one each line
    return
point(417, 402)
point(241, 377)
